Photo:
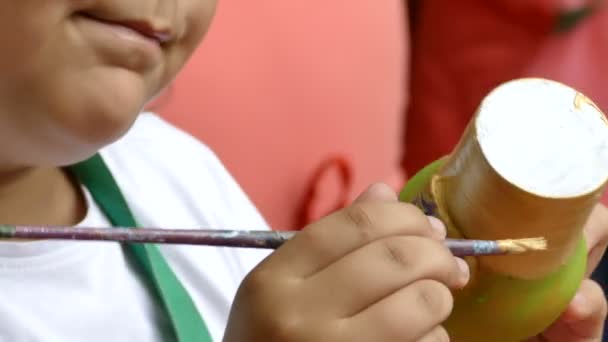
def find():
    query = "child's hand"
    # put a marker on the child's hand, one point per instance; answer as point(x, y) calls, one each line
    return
point(376, 271)
point(584, 318)
point(596, 234)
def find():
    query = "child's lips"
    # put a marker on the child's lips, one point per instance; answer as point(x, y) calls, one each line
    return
point(145, 28)
point(134, 43)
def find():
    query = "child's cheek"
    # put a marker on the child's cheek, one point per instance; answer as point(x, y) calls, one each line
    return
point(199, 16)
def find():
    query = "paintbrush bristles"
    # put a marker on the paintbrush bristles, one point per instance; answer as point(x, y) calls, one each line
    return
point(523, 245)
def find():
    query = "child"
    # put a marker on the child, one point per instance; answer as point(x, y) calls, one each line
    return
point(75, 74)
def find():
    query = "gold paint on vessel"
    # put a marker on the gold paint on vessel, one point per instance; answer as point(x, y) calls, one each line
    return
point(477, 201)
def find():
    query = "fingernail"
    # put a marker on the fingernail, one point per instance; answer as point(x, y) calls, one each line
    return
point(465, 273)
point(377, 192)
point(438, 226)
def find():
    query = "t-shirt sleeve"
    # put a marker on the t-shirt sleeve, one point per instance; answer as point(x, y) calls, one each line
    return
point(237, 212)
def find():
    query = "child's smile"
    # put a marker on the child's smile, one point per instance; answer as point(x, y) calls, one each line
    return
point(133, 41)
point(127, 41)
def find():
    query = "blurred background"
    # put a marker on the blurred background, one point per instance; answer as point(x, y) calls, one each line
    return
point(307, 102)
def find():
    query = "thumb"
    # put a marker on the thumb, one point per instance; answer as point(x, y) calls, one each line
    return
point(383, 192)
point(377, 192)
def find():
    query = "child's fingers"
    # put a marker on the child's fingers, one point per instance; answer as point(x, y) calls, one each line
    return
point(584, 318)
point(378, 192)
point(596, 236)
point(338, 234)
point(407, 315)
point(381, 268)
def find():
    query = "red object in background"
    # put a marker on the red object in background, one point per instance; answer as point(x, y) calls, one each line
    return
point(462, 49)
point(302, 100)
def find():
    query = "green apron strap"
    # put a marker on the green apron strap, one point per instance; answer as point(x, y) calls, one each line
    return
point(187, 322)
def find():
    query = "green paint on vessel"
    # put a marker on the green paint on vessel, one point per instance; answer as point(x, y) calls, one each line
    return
point(514, 309)
point(420, 182)
point(482, 298)
point(7, 230)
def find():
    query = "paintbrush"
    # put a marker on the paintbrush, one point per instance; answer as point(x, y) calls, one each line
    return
point(239, 238)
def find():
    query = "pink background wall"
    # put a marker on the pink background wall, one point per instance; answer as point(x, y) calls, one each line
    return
point(280, 87)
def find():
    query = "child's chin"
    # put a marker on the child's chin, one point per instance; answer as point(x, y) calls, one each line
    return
point(102, 116)
point(104, 127)
point(78, 143)
point(91, 111)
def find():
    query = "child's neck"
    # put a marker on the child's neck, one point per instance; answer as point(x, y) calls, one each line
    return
point(40, 196)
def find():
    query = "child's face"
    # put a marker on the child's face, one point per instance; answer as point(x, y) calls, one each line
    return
point(74, 74)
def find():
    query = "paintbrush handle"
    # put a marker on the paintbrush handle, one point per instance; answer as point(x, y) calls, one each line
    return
point(205, 237)
point(208, 237)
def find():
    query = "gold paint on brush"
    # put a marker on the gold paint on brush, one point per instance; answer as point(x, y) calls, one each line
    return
point(518, 246)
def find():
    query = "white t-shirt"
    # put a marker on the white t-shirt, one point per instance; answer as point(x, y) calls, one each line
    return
point(92, 291)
